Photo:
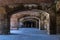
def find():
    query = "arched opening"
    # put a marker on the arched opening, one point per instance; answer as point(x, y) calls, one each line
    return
point(24, 16)
point(39, 13)
point(31, 19)
point(13, 9)
point(29, 24)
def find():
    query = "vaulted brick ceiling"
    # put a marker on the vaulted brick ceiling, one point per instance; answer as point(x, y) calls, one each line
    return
point(4, 2)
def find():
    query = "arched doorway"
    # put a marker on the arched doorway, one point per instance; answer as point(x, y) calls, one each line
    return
point(29, 24)
point(26, 16)
point(51, 29)
point(32, 21)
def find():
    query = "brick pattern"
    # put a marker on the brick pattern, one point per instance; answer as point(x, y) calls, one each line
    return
point(3, 21)
point(4, 2)
point(58, 24)
point(58, 5)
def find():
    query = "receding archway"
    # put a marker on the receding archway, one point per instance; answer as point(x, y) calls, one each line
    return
point(29, 24)
point(35, 21)
point(18, 15)
point(51, 29)
point(42, 15)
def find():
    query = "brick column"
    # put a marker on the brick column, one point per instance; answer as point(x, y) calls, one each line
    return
point(4, 29)
point(3, 21)
point(42, 22)
point(52, 28)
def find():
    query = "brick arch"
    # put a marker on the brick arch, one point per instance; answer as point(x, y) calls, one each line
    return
point(23, 14)
point(52, 18)
point(31, 18)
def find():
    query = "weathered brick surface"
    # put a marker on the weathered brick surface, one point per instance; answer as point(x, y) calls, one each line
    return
point(4, 2)
point(58, 23)
point(58, 16)
point(3, 21)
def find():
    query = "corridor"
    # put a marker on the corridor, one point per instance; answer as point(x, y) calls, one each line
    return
point(29, 34)
point(29, 20)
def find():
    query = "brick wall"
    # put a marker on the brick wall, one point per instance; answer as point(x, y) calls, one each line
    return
point(4, 2)
point(3, 21)
point(58, 23)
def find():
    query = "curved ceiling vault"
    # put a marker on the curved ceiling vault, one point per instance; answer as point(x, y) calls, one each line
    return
point(31, 13)
point(29, 18)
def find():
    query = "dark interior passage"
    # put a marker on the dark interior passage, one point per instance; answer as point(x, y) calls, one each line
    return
point(29, 24)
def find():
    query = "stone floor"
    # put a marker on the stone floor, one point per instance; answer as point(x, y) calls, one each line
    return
point(29, 34)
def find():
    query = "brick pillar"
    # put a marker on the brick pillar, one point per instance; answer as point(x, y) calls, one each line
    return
point(42, 22)
point(4, 29)
point(7, 22)
point(58, 23)
point(52, 28)
point(42, 26)
point(3, 21)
